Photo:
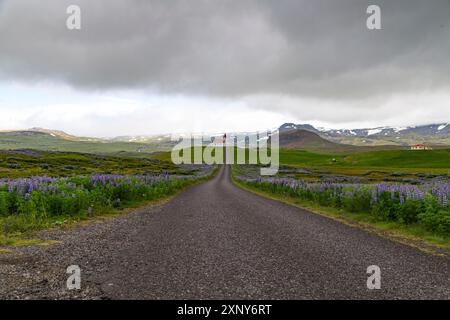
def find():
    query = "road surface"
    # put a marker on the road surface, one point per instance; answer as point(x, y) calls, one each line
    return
point(217, 241)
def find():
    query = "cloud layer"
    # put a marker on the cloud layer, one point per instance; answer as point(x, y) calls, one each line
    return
point(301, 55)
point(230, 48)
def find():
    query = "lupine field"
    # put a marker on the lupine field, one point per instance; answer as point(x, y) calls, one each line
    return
point(26, 203)
point(425, 204)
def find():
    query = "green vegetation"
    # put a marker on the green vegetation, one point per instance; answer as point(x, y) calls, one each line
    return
point(383, 165)
point(432, 161)
point(82, 185)
point(414, 222)
point(28, 163)
point(402, 191)
point(405, 204)
point(302, 158)
point(412, 234)
point(31, 204)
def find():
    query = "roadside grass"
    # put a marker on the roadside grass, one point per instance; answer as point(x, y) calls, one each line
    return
point(22, 230)
point(19, 241)
point(412, 235)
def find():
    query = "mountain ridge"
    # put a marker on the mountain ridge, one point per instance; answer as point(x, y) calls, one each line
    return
point(433, 134)
point(437, 135)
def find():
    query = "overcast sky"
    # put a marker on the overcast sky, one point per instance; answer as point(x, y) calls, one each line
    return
point(146, 67)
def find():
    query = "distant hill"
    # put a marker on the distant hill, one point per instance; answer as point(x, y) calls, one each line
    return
point(143, 139)
point(24, 133)
point(437, 135)
point(55, 133)
point(311, 141)
point(304, 139)
point(292, 126)
point(45, 132)
point(307, 140)
point(53, 140)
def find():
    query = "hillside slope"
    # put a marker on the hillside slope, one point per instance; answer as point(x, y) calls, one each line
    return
point(50, 141)
point(304, 139)
point(308, 140)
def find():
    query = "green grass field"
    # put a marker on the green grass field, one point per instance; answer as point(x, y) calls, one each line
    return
point(432, 161)
point(384, 161)
point(27, 163)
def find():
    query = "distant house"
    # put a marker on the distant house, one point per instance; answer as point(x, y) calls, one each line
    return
point(420, 147)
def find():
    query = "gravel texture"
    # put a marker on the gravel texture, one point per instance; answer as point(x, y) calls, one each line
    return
point(216, 241)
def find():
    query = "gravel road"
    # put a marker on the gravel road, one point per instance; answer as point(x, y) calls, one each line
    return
point(216, 241)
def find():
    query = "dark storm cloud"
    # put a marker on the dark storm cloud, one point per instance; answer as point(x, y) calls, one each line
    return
point(220, 48)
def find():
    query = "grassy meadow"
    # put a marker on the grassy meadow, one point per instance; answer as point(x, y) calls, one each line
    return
point(389, 160)
point(380, 165)
point(402, 191)
point(28, 163)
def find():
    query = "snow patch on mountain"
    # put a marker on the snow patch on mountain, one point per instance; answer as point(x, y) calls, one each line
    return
point(398, 129)
point(371, 132)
